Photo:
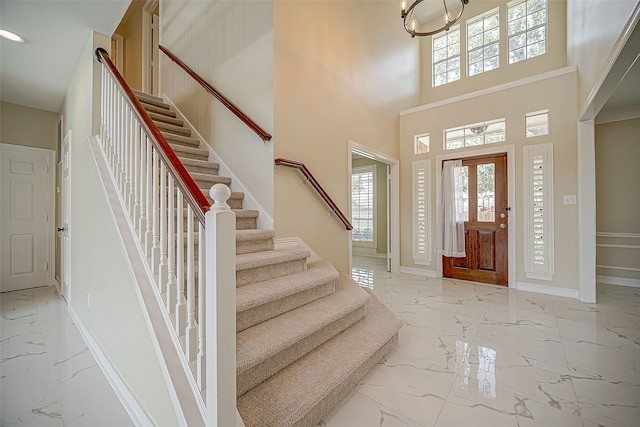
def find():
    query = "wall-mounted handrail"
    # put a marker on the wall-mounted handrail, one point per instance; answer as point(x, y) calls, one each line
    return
point(303, 169)
point(192, 193)
point(230, 106)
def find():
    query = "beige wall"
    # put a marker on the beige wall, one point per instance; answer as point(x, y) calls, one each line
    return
point(381, 202)
point(130, 29)
point(342, 71)
point(230, 45)
point(589, 42)
point(618, 204)
point(554, 93)
point(101, 288)
point(553, 59)
point(21, 125)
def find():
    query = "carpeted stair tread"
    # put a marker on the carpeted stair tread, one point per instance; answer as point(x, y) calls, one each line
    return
point(190, 152)
point(200, 166)
point(173, 129)
point(261, 259)
point(245, 213)
point(252, 240)
point(247, 235)
point(304, 392)
point(266, 349)
point(260, 293)
point(144, 95)
point(150, 108)
point(270, 298)
point(210, 178)
point(180, 140)
point(269, 338)
point(165, 119)
point(152, 100)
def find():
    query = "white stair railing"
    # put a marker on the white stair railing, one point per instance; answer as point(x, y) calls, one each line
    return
point(190, 248)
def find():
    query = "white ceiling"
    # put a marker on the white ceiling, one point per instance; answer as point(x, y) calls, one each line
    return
point(36, 73)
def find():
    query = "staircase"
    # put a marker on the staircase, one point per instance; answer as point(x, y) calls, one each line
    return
point(306, 335)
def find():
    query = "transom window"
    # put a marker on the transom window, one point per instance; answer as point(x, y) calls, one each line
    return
point(421, 144)
point(526, 29)
point(537, 123)
point(446, 57)
point(483, 37)
point(476, 134)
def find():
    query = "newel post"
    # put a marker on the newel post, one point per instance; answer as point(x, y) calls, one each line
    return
point(220, 297)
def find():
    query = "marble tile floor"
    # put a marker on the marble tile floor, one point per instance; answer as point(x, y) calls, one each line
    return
point(480, 355)
point(48, 376)
point(468, 355)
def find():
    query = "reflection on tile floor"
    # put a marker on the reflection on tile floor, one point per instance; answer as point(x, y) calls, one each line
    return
point(468, 355)
point(48, 376)
point(478, 355)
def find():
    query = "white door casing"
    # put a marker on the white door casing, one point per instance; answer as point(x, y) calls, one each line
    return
point(65, 208)
point(393, 200)
point(26, 217)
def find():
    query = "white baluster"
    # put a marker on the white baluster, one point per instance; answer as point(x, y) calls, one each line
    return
point(191, 331)
point(148, 235)
point(181, 307)
point(155, 246)
point(142, 185)
point(162, 268)
point(221, 300)
point(201, 371)
point(131, 149)
point(171, 250)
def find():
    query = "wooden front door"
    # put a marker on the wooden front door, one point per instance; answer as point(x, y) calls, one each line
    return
point(485, 226)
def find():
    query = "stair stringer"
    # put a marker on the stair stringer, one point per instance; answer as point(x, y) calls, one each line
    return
point(188, 403)
point(265, 221)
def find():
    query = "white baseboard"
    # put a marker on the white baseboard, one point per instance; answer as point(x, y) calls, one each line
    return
point(547, 290)
point(417, 271)
point(620, 281)
point(137, 413)
point(368, 252)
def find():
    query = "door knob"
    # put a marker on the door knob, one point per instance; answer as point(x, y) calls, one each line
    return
point(503, 225)
point(60, 229)
point(503, 215)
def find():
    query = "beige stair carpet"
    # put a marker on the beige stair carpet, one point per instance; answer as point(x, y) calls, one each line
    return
point(305, 334)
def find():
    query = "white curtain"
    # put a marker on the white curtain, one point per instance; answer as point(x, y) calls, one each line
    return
point(453, 209)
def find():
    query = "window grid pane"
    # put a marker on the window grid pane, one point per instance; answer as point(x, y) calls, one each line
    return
point(537, 124)
point(421, 144)
point(526, 29)
point(489, 132)
point(446, 57)
point(362, 206)
point(483, 50)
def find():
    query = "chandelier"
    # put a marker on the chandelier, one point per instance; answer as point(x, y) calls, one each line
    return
point(411, 23)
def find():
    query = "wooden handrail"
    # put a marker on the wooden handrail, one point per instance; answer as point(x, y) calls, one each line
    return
point(235, 110)
point(195, 198)
point(303, 169)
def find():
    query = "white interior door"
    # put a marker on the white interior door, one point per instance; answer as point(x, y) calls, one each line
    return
point(63, 231)
point(26, 217)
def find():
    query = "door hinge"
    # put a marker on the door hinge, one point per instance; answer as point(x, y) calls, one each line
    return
point(47, 268)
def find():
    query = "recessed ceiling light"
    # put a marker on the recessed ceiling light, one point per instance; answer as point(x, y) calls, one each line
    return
point(11, 36)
